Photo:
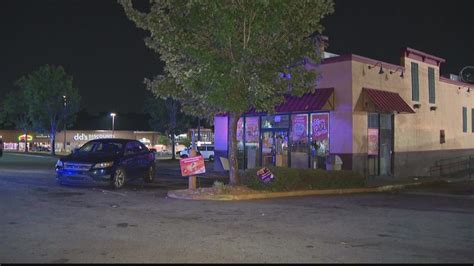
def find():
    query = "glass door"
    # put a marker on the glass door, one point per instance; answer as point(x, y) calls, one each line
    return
point(386, 144)
point(275, 148)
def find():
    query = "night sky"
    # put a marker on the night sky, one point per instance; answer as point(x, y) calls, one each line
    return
point(105, 53)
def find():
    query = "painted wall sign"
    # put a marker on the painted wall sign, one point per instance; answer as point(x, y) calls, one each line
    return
point(299, 126)
point(192, 166)
point(373, 141)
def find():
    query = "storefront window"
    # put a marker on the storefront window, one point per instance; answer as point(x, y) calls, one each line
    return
point(252, 134)
point(319, 140)
point(275, 121)
point(299, 141)
point(240, 143)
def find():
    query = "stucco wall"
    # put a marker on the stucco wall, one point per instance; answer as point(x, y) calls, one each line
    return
point(339, 76)
point(418, 133)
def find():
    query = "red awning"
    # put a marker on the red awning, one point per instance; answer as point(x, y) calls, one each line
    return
point(307, 102)
point(388, 101)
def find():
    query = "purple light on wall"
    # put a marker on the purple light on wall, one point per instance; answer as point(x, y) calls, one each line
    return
point(220, 133)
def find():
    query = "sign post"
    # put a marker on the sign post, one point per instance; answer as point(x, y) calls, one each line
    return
point(192, 179)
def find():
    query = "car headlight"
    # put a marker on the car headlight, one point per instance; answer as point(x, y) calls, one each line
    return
point(59, 164)
point(103, 165)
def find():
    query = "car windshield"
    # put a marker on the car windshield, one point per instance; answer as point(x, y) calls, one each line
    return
point(101, 147)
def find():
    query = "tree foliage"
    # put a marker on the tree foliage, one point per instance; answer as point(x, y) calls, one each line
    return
point(15, 111)
point(229, 56)
point(49, 110)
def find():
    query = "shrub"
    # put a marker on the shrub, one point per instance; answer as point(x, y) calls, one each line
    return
point(289, 179)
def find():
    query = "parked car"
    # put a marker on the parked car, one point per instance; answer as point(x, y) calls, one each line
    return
point(207, 152)
point(43, 148)
point(107, 160)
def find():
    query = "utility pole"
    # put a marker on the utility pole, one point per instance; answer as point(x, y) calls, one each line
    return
point(65, 105)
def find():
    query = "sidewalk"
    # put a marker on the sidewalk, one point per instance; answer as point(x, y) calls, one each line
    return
point(244, 193)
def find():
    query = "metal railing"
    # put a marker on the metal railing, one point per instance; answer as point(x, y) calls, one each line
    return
point(456, 165)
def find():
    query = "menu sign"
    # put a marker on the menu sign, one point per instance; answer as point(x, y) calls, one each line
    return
point(373, 141)
point(192, 166)
point(299, 124)
point(320, 127)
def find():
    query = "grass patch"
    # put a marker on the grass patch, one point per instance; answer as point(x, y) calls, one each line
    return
point(291, 179)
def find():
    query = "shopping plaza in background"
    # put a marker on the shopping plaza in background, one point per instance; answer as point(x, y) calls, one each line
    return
point(14, 140)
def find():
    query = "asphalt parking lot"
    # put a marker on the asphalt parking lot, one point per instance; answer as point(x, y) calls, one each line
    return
point(43, 222)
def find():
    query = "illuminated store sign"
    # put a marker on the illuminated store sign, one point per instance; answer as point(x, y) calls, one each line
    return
point(29, 138)
point(145, 141)
point(84, 137)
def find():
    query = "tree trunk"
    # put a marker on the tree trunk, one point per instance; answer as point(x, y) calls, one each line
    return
point(173, 143)
point(233, 161)
point(53, 143)
point(26, 140)
point(199, 129)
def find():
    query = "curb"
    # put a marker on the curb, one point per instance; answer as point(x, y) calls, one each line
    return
point(183, 193)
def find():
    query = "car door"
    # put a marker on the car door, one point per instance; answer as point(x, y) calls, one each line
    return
point(143, 158)
point(130, 161)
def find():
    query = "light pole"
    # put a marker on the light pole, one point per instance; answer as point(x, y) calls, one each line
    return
point(113, 120)
point(65, 104)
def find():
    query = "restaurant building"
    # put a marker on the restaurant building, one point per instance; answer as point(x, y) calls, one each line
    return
point(380, 119)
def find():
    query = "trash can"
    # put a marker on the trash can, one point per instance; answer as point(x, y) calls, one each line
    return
point(334, 162)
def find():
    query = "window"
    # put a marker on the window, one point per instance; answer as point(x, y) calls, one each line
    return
point(275, 121)
point(299, 141)
point(472, 120)
point(133, 148)
point(415, 87)
point(431, 85)
point(464, 119)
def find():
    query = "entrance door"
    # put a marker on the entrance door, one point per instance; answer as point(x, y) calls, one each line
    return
point(386, 144)
point(275, 148)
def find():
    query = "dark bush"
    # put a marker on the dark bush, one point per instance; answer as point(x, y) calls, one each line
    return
point(289, 179)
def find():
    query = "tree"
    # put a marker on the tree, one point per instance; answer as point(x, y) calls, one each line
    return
point(231, 56)
point(16, 111)
point(166, 117)
point(52, 98)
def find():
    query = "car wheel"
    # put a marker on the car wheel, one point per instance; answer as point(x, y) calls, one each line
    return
point(119, 177)
point(150, 174)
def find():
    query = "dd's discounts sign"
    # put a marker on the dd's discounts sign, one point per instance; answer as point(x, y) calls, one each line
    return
point(192, 166)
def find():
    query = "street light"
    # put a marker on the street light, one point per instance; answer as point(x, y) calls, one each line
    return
point(113, 120)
